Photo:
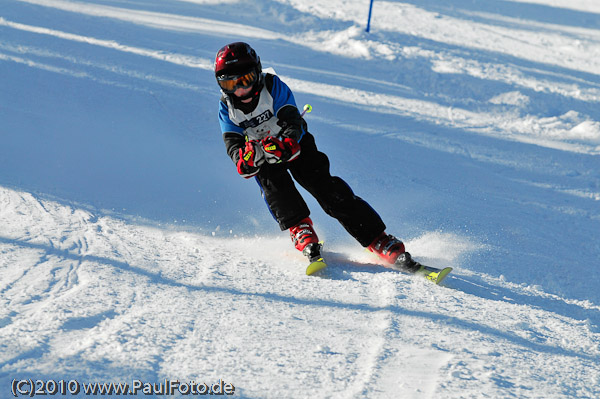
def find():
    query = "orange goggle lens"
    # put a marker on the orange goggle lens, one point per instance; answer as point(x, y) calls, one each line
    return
point(230, 84)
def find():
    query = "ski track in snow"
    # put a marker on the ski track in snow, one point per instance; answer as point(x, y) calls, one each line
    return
point(99, 295)
point(151, 303)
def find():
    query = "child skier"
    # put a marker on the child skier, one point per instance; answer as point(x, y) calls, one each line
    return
point(267, 138)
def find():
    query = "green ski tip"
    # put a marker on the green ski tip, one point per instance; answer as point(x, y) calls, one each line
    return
point(316, 266)
point(433, 274)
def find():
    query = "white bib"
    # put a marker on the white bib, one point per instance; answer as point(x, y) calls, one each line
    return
point(259, 123)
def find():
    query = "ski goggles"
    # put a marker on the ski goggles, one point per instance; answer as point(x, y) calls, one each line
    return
point(229, 84)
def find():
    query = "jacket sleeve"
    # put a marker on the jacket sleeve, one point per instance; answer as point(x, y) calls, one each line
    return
point(234, 139)
point(233, 135)
point(233, 143)
point(292, 124)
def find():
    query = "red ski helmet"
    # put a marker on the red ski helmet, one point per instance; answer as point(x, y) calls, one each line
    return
point(237, 65)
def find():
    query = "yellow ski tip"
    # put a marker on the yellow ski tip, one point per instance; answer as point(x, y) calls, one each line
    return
point(437, 277)
point(433, 274)
point(316, 266)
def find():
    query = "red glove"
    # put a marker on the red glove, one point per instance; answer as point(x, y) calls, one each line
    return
point(251, 156)
point(277, 151)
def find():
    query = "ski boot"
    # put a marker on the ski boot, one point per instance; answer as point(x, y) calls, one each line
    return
point(391, 250)
point(305, 240)
point(303, 234)
point(405, 262)
point(313, 251)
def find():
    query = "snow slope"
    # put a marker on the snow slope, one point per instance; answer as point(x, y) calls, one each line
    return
point(130, 250)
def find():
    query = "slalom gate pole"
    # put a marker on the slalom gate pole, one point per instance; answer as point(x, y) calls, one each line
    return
point(369, 19)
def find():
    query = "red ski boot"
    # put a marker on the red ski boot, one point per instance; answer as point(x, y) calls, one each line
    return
point(387, 247)
point(392, 251)
point(305, 239)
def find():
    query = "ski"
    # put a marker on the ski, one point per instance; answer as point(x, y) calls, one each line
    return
point(315, 267)
point(433, 273)
point(317, 263)
point(406, 264)
point(313, 252)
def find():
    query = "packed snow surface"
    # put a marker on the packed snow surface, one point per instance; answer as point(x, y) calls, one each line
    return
point(132, 252)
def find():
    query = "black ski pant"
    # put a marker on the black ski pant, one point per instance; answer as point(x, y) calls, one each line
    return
point(311, 171)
